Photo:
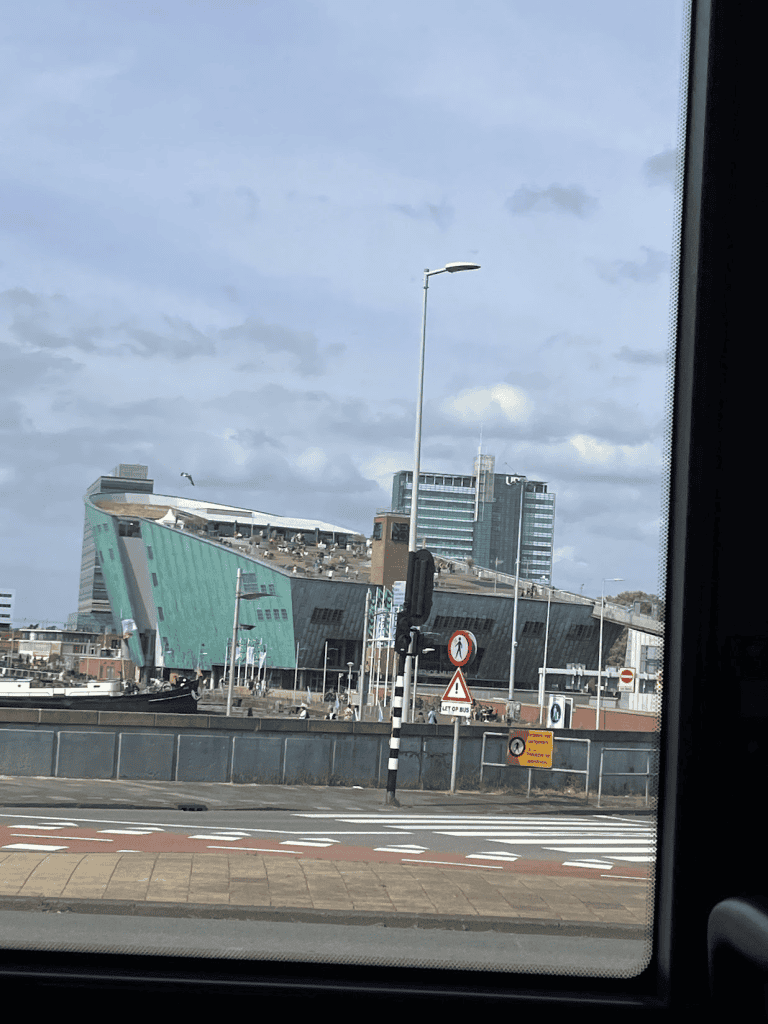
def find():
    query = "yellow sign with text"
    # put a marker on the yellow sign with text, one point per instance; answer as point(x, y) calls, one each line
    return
point(530, 748)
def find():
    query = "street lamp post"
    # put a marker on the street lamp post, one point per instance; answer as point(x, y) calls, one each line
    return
point(546, 642)
point(497, 563)
point(450, 268)
point(239, 596)
point(615, 579)
point(513, 652)
point(238, 593)
point(325, 664)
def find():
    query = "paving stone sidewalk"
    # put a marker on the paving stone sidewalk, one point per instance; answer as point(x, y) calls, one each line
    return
point(264, 887)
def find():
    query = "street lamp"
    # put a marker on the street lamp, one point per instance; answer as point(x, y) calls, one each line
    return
point(615, 579)
point(512, 655)
point(239, 596)
point(449, 268)
point(546, 643)
point(497, 563)
point(325, 663)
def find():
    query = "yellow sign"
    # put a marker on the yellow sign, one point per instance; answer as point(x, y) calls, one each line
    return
point(530, 748)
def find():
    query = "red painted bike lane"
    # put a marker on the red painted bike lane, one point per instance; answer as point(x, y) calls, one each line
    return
point(66, 838)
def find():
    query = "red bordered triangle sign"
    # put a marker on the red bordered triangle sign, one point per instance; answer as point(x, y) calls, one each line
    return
point(457, 692)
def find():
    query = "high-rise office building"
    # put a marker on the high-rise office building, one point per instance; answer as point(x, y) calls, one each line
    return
point(7, 598)
point(482, 516)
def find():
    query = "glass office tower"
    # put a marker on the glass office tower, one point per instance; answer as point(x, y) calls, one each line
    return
point(480, 516)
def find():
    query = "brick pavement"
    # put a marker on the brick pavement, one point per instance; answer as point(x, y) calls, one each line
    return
point(222, 884)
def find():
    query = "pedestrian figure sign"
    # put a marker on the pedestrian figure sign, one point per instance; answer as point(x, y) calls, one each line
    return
point(462, 648)
point(530, 748)
point(457, 700)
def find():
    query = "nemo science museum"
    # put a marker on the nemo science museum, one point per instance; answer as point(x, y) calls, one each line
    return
point(319, 610)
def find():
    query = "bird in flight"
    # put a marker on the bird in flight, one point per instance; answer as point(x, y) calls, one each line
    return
point(189, 478)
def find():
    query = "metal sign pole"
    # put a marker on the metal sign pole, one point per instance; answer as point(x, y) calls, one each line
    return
point(455, 753)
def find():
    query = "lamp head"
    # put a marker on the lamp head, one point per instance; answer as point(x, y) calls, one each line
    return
point(452, 268)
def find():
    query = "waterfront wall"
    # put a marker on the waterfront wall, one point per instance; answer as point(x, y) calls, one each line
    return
point(202, 748)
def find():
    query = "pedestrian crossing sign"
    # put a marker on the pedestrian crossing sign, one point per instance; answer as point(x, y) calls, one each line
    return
point(457, 700)
point(530, 748)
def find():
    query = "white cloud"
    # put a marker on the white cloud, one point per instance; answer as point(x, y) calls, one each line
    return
point(477, 404)
point(382, 468)
point(234, 448)
point(312, 461)
point(602, 453)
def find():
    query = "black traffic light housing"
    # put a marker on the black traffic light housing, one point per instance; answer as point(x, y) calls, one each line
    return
point(418, 597)
point(419, 586)
point(402, 633)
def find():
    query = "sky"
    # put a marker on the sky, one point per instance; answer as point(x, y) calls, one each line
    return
point(215, 219)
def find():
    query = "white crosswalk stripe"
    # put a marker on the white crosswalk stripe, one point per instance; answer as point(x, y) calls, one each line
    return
point(600, 840)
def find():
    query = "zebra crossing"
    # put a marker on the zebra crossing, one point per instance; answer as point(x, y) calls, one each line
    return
point(597, 841)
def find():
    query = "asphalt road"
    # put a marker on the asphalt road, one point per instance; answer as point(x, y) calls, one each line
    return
point(562, 835)
point(560, 842)
point(320, 943)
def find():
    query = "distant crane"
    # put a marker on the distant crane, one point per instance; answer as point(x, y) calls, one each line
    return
point(189, 478)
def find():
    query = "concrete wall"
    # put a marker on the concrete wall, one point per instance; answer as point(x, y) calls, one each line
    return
point(199, 748)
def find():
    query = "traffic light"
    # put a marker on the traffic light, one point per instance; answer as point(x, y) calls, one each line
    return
point(419, 586)
point(402, 633)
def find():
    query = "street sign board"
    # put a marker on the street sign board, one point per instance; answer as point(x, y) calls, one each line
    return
point(627, 679)
point(530, 748)
point(462, 648)
point(457, 700)
point(558, 714)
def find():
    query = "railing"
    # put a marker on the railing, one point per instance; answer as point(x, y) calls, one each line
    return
point(647, 774)
point(490, 764)
point(567, 771)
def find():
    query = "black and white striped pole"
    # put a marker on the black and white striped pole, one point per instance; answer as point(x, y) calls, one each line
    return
point(416, 610)
point(404, 643)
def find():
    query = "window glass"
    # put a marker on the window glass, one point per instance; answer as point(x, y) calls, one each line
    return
point(221, 217)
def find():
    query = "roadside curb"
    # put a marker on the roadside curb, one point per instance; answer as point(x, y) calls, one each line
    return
point(115, 806)
point(439, 922)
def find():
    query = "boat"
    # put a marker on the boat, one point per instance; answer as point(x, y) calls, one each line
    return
point(108, 695)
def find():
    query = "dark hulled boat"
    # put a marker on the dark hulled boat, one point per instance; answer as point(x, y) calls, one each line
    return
point(108, 696)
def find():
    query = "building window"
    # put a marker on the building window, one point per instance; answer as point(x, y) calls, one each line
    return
point(454, 622)
point(149, 551)
point(260, 614)
point(533, 629)
point(327, 615)
point(268, 613)
point(400, 532)
point(160, 614)
point(154, 578)
point(582, 633)
point(284, 613)
point(378, 529)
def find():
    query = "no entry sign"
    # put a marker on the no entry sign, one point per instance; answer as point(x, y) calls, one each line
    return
point(627, 679)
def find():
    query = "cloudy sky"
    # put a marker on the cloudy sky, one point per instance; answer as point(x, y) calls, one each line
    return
point(214, 221)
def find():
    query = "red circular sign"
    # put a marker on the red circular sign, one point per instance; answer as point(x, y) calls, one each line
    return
point(462, 648)
point(627, 675)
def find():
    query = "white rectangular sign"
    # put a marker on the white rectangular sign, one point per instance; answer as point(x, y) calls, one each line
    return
point(455, 710)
